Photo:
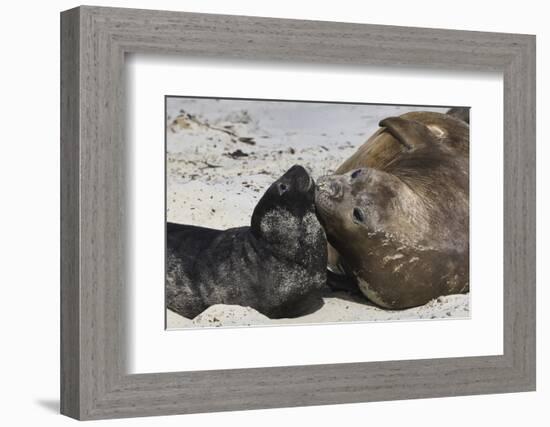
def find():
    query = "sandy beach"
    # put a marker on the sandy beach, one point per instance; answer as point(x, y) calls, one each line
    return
point(223, 154)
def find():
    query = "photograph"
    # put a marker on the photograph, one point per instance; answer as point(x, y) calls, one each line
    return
point(277, 212)
point(299, 212)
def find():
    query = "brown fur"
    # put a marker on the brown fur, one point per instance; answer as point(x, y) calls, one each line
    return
point(396, 212)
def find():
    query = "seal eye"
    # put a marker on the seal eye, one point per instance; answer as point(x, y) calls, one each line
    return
point(358, 215)
point(356, 173)
point(282, 188)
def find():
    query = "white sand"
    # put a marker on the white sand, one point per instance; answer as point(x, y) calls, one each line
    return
point(215, 177)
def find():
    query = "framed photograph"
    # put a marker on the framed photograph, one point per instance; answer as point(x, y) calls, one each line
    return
point(262, 213)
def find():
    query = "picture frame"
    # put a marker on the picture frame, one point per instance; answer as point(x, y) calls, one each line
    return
point(94, 268)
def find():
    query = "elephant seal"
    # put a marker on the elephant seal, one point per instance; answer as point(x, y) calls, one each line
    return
point(277, 265)
point(396, 213)
point(461, 113)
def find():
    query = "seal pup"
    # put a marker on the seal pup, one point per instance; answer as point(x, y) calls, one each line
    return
point(396, 213)
point(277, 265)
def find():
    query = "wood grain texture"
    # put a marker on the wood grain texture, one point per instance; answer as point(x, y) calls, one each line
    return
point(70, 180)
point(94, 381)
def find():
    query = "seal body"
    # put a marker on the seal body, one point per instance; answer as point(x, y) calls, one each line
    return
point(396, 213)
point(277, 265)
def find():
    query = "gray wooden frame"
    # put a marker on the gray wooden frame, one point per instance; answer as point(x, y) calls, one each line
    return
point(94, 41)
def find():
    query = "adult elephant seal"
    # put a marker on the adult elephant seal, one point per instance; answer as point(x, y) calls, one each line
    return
point(276, 266)
point(396, 212)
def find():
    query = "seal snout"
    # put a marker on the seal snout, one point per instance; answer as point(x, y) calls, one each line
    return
point(331, 188)
point(300, 178)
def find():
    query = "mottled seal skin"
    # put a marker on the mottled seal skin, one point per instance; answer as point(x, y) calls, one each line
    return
point(276, 266)
point(396, 213)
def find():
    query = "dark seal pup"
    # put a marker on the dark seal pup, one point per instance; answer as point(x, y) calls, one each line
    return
point(276, 266)
point(396, 213)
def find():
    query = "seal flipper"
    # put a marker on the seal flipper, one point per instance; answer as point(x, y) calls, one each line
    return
point(342, 282)
point(410, 133)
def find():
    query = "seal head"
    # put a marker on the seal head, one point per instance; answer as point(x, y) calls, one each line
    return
point(284, 206)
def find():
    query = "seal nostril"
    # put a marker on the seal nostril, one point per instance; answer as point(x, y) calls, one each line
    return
point(334, 188)
point(356, 173)
point(358, 215)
